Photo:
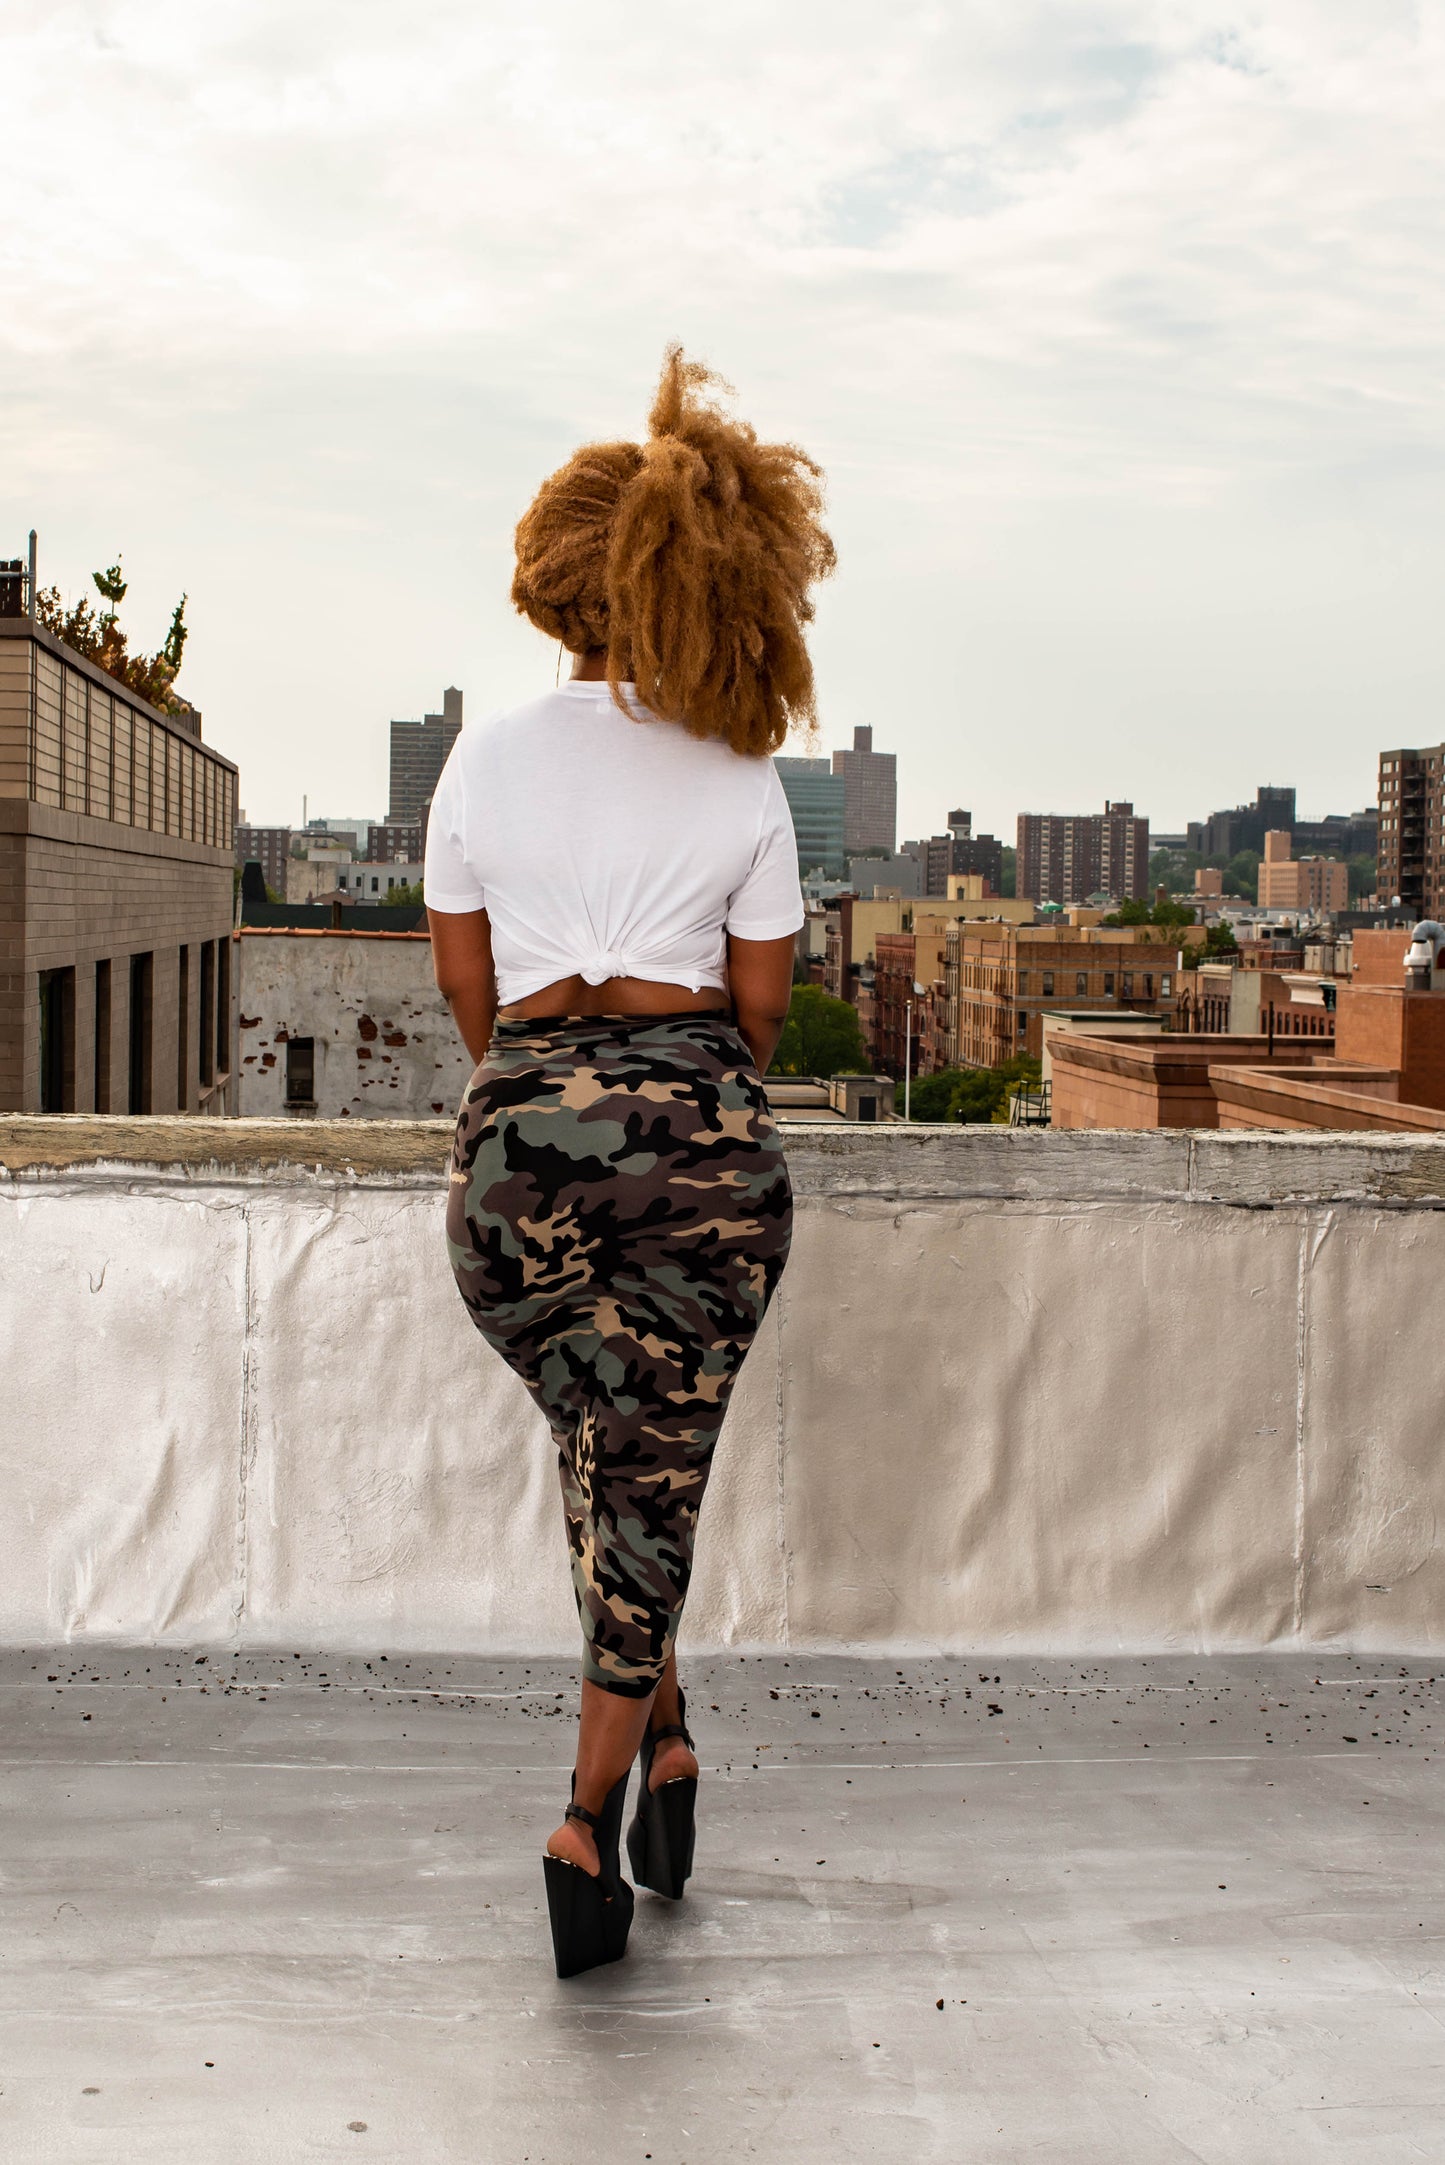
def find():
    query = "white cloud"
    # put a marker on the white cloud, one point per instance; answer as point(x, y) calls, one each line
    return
point(1118, 329)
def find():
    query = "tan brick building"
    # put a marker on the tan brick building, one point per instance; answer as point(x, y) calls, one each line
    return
point(999, 979)
point(1287, 882)
point(117, 828)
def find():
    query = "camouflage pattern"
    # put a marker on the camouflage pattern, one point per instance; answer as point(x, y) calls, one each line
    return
point(619, 1215)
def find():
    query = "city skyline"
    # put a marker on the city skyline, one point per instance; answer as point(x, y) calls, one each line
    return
point(1116, 339)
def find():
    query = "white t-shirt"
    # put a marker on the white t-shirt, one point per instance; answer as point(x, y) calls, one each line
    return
point(600, 846)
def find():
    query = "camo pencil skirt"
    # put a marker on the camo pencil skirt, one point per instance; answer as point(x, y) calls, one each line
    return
point(619, 1214)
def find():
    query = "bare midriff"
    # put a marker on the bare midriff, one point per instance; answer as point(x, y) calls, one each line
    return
point(615, 996)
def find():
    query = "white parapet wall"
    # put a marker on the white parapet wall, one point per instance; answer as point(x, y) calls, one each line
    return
point(1072, 1393)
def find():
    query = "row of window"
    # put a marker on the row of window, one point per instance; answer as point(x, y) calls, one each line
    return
point(90, 751)
point(203, 1025)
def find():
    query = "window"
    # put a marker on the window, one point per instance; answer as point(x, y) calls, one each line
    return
point(57, 1041)
point(1023, 980)
point(183, 1032)
point(223, 1007)
point(1126, 984)
point(1109, 984)
point(208, 1013)
point(1081, 982)
point(376, 886)
point(1166, 985)
point(1148, 984)
point(301, 1071)
point(142, 975)
point(102, 1037)
point(1023, 1022)
point(1048, 984)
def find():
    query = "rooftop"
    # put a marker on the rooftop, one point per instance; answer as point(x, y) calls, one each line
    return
point(1079, 1505)
point(1108, 1913)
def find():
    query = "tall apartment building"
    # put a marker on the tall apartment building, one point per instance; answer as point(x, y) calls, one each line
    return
point(870, 794)
point(418, 754)
point(117, 853)
point(999, 981)
point(1068, 857)
point(1287, 882)
point(270, 848)
point(1412, 829)
point(816, 798)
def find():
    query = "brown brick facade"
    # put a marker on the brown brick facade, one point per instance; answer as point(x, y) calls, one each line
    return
point(116, 828)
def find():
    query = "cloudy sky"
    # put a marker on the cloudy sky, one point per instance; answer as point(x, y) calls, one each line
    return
point(1118, 328)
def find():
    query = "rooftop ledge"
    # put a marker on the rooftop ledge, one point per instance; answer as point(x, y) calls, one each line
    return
point(1059, 1392)
point(914, 1161)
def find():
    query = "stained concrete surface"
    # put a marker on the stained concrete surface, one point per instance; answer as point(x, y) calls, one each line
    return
point(286, 1908)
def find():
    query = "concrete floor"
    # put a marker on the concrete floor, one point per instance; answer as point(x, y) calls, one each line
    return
point(279, 1908)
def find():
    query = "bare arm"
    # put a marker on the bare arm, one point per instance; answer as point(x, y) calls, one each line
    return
point(461, 949)
point(760, 975)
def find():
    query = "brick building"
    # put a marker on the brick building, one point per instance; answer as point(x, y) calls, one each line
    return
point(1287, 882)
point(1066, 857)
point(852, 930)
point(959, 854)
point(418, 754)
point(999, 979)
point(870, 794)
point(117, 840)
point(1412, 830)
point(908, 998)
point(397, 841)
point(270, 848)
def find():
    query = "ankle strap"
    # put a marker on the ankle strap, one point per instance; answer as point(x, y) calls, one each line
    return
point(673, 1729)
point(588, 1819)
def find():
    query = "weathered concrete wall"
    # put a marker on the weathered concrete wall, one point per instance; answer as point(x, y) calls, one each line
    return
point(1076, 1392)
point(385, 1046)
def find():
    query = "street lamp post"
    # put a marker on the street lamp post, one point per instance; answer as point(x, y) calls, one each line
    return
point(907, 1057)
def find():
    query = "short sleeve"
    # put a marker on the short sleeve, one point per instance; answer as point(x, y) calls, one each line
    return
point(769, 902)
point(449, 883)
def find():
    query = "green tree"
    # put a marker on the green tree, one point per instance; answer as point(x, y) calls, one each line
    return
point(1219, 944)
point(111, 586)
point(972, 1096)
point(930, 1095)
point(403, 897)
point(101, 640)
point(1364, 876)
point(1009, 871)
point(1169, 915)
point(820, 1037)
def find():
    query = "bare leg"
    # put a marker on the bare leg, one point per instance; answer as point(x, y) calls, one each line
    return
point(672, 1760)
point(609, 1734)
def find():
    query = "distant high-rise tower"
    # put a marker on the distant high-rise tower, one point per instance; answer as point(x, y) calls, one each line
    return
point(816, 801)
point(1067, 858)
point(418, 754)
point(870, 794)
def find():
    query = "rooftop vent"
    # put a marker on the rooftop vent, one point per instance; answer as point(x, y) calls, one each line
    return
point(1422, 956)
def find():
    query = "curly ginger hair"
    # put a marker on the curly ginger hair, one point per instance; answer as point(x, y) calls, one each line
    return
point(689, 559)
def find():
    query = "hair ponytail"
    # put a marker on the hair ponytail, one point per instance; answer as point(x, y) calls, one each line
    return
point(689, 558)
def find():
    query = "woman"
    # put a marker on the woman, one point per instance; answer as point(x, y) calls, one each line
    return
point(611, 881)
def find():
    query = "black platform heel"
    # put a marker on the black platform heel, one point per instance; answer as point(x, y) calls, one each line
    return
point(663, 1831)
point(590, 1916)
